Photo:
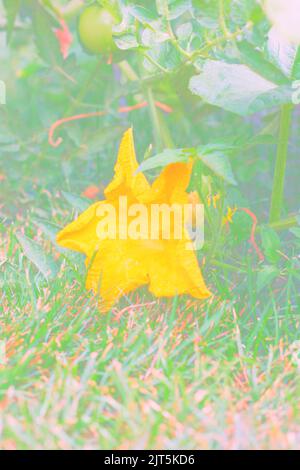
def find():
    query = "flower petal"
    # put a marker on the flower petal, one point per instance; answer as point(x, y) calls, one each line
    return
point(172, 183)
point(176, 272)
point(117, 269)
point(81, 235)
point(126, 181)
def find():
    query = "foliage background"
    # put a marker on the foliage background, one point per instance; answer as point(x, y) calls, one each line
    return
point(151, 374)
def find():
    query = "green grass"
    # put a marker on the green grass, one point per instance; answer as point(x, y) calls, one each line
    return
point(152, 373)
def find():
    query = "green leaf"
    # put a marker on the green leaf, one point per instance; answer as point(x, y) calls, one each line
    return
point(141, 13)
point(12, 8)
point(215, 158)
point(255, 59)
point(243, 11)
point(166, 54)
point(49, 229)
point(34, 252)
point(271, 244)
point(126, 41)
point(165, 158)
point(207, 13)
point(178, 8)
point(173, 8)
point(78, 203)
point(154, 35)
point(237, 88)
point(184, 31)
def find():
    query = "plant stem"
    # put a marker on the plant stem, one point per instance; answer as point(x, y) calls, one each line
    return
point(156, 64)
point(172, 35)
point(222, 18)
point(218, 232)
point(280, 167)
point(285, 224)
point(128, 71)
point(155, 121)
point(219, 40)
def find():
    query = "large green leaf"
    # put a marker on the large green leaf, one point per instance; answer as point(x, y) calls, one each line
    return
point(207, 13)
point(256, 61)
point(76, 202)
point(165, 54)
point(141, 13)
point(126, 41)
point(237, 88)
point(51, 230)
point(179, 7)
point(34, 252)
point(216, 159)
point(244, 11)
point(165, 158)
point(271, 244)
point(173, 9)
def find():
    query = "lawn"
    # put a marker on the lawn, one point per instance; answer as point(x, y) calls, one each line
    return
point(212, 81)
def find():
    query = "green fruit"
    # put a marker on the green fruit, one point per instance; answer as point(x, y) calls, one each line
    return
point(96, 29)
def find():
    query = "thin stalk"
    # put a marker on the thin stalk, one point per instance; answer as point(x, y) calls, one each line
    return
point(128, 71)
point(155, 120)
point(285, 224)
point(156, 64)
point(172, 35)
point(222, 18)
point(281, 160)
point(217, 234)
point(219, 40)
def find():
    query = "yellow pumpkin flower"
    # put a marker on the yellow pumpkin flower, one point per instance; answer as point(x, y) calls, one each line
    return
point(119, 265)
